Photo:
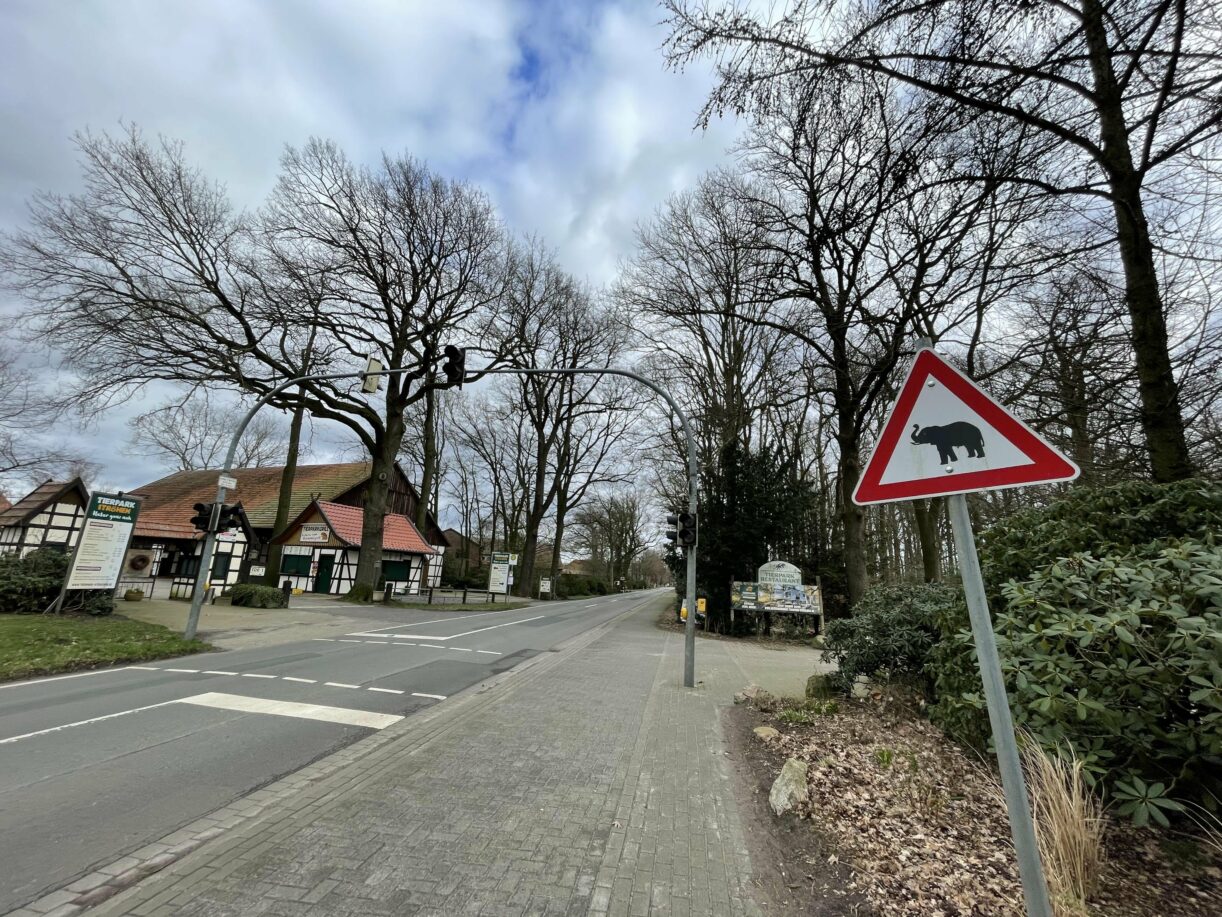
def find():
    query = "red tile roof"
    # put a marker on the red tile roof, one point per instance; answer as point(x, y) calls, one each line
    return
point(166, 511)
point(4, 503)
point(398, 532)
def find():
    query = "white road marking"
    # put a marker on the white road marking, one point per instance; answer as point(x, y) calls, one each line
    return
point(388, 690)
point(339, 684)
point(190, 671)
point(256, 675)
point(459, 649)
point(39, 681)
point(433, 696)
point(478, 630)
point(96, 719)
point(319, 712)
point(218, 672)
point(383, 642)
point(351, 641)
point(488, 652)
point(478, 614)
point(431, 646)
point(304, 681)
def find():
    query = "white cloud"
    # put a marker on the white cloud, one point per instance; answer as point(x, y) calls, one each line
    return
point(562, 111)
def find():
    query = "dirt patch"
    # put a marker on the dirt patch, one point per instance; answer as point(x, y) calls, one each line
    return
point(796, 871)
point(922, 829)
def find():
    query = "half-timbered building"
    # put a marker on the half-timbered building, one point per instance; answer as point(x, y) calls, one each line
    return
point(321, 548)
point(166, 546)
point(52, 515)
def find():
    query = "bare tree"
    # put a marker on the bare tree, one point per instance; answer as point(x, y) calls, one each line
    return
point(152, 264)
point(1121, 91)
point(28, 450)
point(613, 529)
point(194, 433)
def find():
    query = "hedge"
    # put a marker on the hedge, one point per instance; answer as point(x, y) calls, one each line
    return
point(28, 585)
point(252, 595)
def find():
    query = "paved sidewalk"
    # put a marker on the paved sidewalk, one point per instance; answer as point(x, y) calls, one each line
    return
point(589, 783)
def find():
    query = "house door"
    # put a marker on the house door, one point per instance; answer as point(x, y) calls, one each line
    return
point(322, 579)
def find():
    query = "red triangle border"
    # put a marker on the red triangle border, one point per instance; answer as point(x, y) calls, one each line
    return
point(1049, 464)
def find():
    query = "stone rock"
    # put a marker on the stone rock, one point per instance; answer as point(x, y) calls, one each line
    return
point(765, 732)
point(789, 788)
point(817, 687)
point(748, 694)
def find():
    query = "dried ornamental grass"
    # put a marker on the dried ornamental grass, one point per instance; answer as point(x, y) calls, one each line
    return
point(1068, 825)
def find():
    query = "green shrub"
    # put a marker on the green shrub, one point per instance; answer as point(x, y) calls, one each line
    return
point(1101, 520)
point(576, 585)
point(889, 635)
point(1118, 656)
point(251, 595)
point(28, 585)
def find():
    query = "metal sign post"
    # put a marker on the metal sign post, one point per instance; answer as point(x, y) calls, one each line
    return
point(1022, 827)
point(945, 436)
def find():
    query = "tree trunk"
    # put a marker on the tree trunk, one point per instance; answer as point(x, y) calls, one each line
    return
point(927, 514)
point(1161, 417)
point(562, 509)
point(853, 518)
point(377, 493)
point(284, 503)
point(428, 469)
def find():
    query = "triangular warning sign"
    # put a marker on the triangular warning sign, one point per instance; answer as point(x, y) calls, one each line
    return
point(945, 435)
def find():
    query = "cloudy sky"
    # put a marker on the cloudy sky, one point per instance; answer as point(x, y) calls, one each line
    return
point(562, 111)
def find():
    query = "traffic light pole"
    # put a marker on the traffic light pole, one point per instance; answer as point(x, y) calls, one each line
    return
point(204, 572)
point(689, 633)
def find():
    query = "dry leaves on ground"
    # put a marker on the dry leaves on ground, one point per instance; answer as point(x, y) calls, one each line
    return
point(926, 833)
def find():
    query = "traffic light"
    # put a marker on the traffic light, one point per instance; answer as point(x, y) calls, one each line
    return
point(672, 534)
point(455, 366)
point(230, 517)
point(202, 519)
point(687, 529)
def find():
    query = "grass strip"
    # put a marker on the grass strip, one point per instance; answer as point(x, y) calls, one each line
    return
point(32, 645)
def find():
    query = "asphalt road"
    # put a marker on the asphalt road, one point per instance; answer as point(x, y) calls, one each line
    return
point(94, 766)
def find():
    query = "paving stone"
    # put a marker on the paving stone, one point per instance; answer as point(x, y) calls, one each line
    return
point(591, 783)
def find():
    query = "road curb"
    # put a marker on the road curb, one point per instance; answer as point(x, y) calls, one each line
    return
point(317, 786)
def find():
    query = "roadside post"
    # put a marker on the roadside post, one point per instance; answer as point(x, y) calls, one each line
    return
point(945, 436)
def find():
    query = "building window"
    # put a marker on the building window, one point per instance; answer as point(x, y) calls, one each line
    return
point(220, 566)
point(295, 564)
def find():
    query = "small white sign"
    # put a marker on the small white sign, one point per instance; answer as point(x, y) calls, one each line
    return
point(545, 584)
point(256, 570)
point(315, 533)
point(498, 578)
point(227, 482)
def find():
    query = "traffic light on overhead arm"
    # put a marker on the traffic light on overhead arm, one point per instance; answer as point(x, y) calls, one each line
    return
point(455, 366)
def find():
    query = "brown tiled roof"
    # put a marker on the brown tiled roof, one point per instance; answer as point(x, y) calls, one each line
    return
point(4, 503)
point(167, 508)
point(40, 498)
point(398, 532)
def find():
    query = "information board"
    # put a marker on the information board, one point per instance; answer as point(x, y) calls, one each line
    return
point(98, 561)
